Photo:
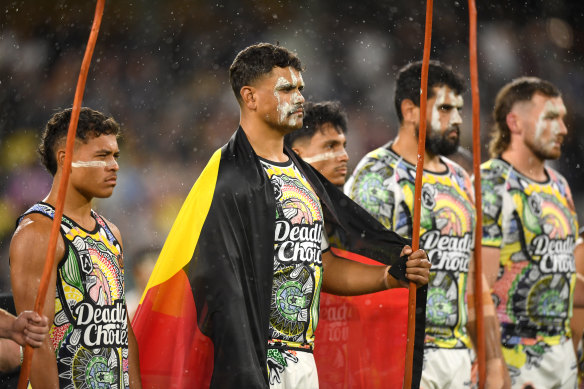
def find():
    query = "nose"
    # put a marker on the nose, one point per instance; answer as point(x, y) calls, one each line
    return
point(563, 129)
point(113, 165)
point(343, 155)
point(299, 98)
point(455, 118)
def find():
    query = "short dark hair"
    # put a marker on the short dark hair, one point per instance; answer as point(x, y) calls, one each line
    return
point(409, 78)
point(315, 115)
point(518, 90)
point(257, 60)
point(91, 125)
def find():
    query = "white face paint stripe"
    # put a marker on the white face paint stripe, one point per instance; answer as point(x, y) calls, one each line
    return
point(92, 164)
point(282, 107)
point(456, 102)
point(440, 98)
point(549, 110)
point(324, 156)
point(285, 108)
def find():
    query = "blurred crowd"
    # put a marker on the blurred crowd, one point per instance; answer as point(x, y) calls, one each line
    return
point(161, 70)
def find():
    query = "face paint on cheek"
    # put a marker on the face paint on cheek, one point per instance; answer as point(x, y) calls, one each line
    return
point(541, 124)
point(93, 163)
point(324, 156)
point(435, 124)
point(282, 107)
point(457, 102)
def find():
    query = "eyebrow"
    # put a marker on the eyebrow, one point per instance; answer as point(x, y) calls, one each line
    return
point(107, 151)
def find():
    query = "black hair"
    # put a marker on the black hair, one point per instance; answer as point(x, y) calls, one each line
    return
point(91, 125)
point(409, 78)
point(257, 60)
point(315, 115)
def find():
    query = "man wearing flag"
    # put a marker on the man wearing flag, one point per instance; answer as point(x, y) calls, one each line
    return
point(233, 299)
point(529, 232)
point(383, 183)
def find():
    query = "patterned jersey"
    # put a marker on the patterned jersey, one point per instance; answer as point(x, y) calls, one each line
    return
point(534, 225)
point(297, 259)
point(383, 183)
point(89, 331)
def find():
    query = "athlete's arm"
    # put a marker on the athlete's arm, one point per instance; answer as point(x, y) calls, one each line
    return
point(349, 278)
point(579, 260)
point(133, 355)
point(490, 260)
point(133, 359)
point(497, 375)
point(28, 250)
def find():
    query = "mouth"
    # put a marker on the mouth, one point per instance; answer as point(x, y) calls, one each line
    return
point(453, 132)
point(342, 170)
point(297, 111)
point(112, 180)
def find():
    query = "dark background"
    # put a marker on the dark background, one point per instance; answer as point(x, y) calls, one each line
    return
point(161, 69)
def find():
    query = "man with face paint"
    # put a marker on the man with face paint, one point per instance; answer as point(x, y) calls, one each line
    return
point(261, 258)
point(90, 341)
point(529, 232)
point(321, 140)
point(384, 183)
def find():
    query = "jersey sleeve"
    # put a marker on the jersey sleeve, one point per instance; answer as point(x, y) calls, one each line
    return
point(367, 188)
point(492, 204)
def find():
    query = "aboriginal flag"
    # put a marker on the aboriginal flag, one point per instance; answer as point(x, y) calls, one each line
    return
point(203, 319)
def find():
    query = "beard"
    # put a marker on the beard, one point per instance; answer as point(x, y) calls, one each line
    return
point(439, 143)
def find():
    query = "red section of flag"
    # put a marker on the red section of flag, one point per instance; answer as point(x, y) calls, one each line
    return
point(173, 351)
point(361, 340)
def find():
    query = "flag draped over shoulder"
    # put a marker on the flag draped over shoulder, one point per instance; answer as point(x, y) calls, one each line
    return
point(203, 319)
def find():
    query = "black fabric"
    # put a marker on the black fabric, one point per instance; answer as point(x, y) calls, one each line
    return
point(232, 268)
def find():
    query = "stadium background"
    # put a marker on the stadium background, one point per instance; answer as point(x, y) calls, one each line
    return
point(161, 69)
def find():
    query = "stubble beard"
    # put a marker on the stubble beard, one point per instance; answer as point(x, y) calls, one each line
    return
point(540, 152)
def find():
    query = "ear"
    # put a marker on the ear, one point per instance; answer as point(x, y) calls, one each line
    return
point(248, 94)
point(409, 110)
point(297, 151)
point(60, 155)
point(512, 121)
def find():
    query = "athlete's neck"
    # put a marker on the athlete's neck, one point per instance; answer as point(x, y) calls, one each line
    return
point(525, 162)
point(266, 141)
point(76, 207)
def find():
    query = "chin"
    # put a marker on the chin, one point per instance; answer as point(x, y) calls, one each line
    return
point(104, 194)
point(338, 181)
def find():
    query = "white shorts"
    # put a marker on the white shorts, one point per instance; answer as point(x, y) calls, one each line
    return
point(291, 369)
point(446, 368)
point(542, 366)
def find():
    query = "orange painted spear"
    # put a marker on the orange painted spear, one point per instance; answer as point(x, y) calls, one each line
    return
point(418, 193)
point(50, 258)
point(476, 151)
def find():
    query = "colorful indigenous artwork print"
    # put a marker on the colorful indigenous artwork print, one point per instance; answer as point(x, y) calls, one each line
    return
point(384, 183)
point(297, 257)
point(89, 332)
point(534, 225)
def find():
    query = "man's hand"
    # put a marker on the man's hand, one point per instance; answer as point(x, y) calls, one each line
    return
point(417, 267)
point(29, 328)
